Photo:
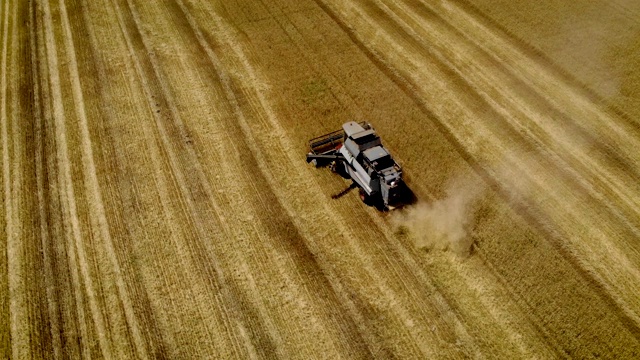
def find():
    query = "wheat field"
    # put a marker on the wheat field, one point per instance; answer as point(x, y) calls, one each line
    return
point(156, 202)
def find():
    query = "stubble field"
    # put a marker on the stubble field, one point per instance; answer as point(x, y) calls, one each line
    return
point(156, 202)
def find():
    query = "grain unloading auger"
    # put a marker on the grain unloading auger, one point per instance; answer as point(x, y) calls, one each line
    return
point(356, 153)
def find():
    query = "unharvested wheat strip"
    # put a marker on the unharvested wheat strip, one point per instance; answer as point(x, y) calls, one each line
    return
point(67, 183)
point(47, 254)
point(566, 154)
point(227, 297)
point(96, 204)
point(567, 217)
point(592, 170)
point(306, 50)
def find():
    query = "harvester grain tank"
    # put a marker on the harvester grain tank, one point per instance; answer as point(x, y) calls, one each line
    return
point(356, 152)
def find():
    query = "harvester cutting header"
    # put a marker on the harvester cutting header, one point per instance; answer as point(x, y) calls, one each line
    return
point(356, 152)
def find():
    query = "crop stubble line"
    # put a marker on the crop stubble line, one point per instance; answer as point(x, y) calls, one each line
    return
point(246, 318)
point(72, 311)
point(22, 253)
point(154, 154)
point(75, 315)
point(111, 146)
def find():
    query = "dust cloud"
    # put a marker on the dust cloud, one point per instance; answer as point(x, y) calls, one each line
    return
point(444, 224)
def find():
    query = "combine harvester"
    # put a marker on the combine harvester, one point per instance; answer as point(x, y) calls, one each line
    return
point(356, 153)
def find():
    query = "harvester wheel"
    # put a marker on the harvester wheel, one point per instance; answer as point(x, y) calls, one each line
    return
point(333, 167)
point(364, 197)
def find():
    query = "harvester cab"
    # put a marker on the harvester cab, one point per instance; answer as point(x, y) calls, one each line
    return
point(356, 153)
